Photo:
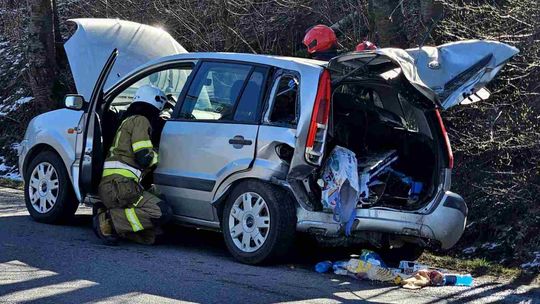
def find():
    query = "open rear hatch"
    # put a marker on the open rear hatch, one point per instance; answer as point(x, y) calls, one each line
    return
point(447, 74)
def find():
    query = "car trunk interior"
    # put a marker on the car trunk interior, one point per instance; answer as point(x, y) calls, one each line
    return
point(393, 138)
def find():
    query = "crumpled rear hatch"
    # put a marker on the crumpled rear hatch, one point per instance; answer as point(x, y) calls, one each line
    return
point(447, 74)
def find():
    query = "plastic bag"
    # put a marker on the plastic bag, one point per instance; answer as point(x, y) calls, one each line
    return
point(367, 270)
point(372, 257)
point(339, 185)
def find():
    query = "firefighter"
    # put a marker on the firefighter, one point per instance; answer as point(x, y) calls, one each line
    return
point(321, 42)
point(128, 211)
point(365, 46)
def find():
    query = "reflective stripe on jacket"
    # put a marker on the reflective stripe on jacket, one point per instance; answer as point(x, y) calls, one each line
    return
point(117, 167)
point(132, 137)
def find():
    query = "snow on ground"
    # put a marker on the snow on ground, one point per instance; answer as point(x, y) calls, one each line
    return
point(9, 172)
point(469, 250)
point(490, 246)
point(6, 109)
point(535, 263)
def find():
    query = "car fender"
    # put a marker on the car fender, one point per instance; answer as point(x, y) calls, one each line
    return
point(51, 130)
point(262, 169)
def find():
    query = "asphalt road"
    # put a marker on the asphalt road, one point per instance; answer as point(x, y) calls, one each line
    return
point(42, 263)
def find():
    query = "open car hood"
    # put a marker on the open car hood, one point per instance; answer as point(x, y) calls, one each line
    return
point(448, 74)
point(95, 39)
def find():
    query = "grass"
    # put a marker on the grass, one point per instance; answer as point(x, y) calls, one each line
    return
point(10, 183)
point(474, 266)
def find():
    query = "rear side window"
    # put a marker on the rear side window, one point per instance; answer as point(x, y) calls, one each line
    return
point(224, 91)
point(285, 101)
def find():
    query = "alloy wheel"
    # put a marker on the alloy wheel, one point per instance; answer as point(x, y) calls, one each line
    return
point(43, 187)
point(249, 222)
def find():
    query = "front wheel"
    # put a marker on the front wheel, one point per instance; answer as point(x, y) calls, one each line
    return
point(259, 222)
point(48, 193)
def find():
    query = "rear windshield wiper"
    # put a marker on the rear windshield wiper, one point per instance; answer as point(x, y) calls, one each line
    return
point(361, 68)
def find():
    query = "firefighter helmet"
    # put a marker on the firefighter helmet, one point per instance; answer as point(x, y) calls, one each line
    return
point(365, 46)
point(152, 95)
point(320, 38)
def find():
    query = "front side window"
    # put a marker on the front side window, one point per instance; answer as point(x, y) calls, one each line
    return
point(215, 90)
point(170, 81)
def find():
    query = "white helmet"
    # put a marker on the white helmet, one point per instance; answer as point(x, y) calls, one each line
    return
point(151, 95)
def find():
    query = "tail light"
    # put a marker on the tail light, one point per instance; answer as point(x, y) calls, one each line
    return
point(446, 140)
point(319, 121)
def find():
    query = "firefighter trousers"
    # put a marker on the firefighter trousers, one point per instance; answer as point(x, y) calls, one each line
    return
point(135, 213)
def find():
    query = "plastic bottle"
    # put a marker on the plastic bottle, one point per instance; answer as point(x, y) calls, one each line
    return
point(323, 266)
point(340, 267)
point(458, 280)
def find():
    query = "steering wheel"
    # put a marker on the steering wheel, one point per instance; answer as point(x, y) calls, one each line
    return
point(171, 102)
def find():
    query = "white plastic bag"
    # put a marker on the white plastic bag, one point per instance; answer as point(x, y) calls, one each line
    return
point(339, 184)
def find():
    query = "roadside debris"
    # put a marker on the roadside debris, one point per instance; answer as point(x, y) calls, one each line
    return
point(410, 275)
point(348, 182)
point(339, 184)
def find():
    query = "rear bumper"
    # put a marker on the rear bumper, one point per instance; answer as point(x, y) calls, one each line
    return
point(444, 224)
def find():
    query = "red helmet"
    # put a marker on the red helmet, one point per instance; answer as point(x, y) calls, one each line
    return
point(365, 46)
point(320, 38)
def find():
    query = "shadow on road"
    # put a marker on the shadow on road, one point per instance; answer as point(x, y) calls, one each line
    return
point(57, 264)
point(191, 265)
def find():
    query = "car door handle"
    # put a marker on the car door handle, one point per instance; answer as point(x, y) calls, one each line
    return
point(238, 141)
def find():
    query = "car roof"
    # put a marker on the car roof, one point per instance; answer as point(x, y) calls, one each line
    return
point(301, 65)
point(293, 63)
point(279, 61)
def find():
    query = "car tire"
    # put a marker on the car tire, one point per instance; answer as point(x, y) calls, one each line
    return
point(48, 192)
point(269, 224)
point(407, 252)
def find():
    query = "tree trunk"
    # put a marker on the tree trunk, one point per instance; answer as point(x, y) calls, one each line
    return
point(61, 58)
point(41, 52)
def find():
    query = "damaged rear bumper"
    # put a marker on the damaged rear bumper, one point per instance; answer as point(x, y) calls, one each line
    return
point(445, 223)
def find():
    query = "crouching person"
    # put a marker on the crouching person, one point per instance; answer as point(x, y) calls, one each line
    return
point(128, 211)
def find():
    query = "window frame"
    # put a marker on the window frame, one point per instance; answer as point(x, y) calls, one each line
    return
point(269, 107)
point(257, 121)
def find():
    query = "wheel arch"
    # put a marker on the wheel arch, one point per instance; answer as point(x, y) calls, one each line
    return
point(219, 203)
point(40, 148)
point(34, 151)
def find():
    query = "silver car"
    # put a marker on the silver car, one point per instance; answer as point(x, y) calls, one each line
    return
point(245, 137)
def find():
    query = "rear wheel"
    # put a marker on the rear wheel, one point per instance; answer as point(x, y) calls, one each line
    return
point(48, 192)
point(259, 222)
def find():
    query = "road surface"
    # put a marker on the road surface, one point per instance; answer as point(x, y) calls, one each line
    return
point(42, 263)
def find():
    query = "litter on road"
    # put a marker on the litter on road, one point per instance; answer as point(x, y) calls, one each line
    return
point(348, 182)
point(409, 275)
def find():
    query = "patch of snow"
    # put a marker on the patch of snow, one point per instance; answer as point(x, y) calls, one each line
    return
point(535, 263)
point(13, 176)
point(3, 166)
point(5, 110)
point(490, 246)
point(469, 250)
point(9, 172)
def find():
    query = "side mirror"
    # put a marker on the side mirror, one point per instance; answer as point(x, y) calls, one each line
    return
point(74, 101)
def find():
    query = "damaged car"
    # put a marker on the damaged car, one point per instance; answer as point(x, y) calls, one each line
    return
point(246, 138)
